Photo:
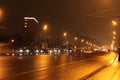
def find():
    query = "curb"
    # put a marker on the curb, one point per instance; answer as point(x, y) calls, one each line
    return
point(97, 70)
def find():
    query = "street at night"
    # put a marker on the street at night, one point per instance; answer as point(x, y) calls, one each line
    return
point(54, 67)
point(59, 39)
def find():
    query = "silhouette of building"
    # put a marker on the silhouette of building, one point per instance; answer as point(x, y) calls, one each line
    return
point(31, 31)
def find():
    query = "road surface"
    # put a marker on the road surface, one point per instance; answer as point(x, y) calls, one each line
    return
point(111, 72)
point(53, 67)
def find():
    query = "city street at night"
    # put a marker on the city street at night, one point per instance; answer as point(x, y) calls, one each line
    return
point(55, 67)
point(59, 39)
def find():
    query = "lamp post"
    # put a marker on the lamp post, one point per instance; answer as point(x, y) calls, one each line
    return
point(75, 43)
point(65, 35)
point(12, 44)
point(114, 23)
point(44, 36)
point(1, 13)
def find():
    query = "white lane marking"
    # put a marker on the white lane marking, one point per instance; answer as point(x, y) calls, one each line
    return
point(41, 69)
point(25, 72)
point(31, 71)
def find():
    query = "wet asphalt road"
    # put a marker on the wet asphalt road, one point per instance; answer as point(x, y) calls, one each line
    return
point(50, 67)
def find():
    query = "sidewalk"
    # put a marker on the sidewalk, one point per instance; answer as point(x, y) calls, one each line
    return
point(111, 72)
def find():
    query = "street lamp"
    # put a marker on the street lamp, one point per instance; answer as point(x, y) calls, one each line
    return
point(1, 13)
point(75, 43)
point(44, 36)
point(75, 38)
point(114, 32)
point(66, 39)
point(12, 40)
point(45, 27)
point(114, 23)
point(12, 44)
point(82, 40)
point(114, 37)
point(65, 34)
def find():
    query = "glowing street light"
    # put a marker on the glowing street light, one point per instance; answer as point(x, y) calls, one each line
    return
point(82, 40)
point(65, 34)
point(0, 13)
point(12, 44)
point(114, 37)
point(12, 40)
point(44, 36)
point(75, 38)
point(114, 22)
point(45, 27)
point(66, 39)
point(114, 32)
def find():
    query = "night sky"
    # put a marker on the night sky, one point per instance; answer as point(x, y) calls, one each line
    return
point(86, 17)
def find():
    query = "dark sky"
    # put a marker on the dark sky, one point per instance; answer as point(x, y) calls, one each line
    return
point(79, 16)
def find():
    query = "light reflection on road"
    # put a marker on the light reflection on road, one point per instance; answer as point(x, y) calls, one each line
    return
point(49, 66)
point(112, 72)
